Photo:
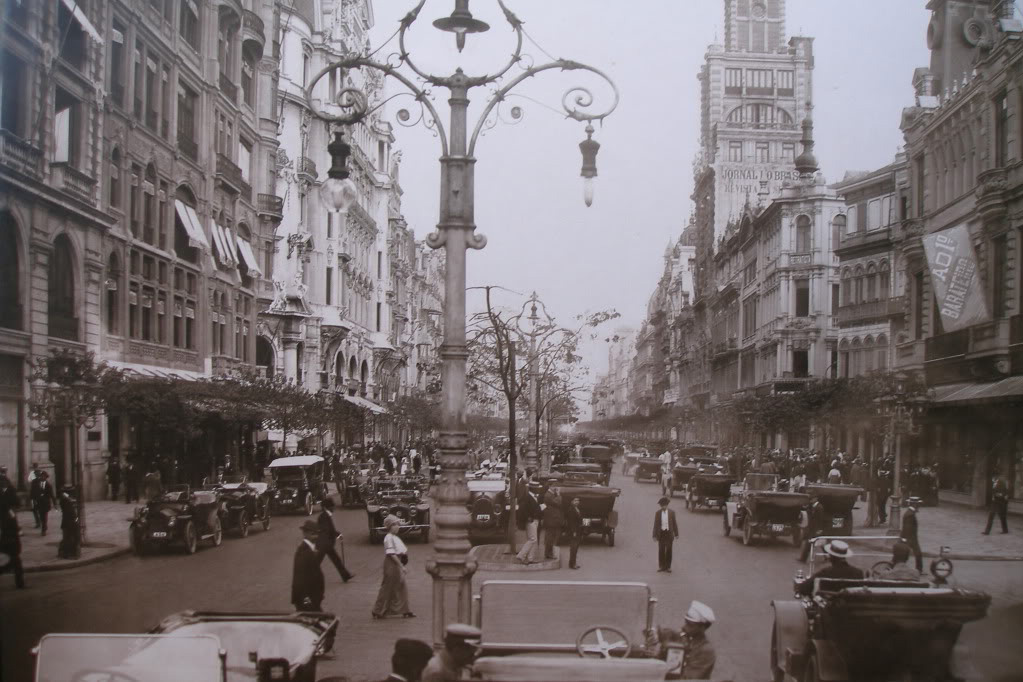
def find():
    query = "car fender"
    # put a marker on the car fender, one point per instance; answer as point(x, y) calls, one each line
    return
point(831, 666)
point(791, 629)
point(612, 519)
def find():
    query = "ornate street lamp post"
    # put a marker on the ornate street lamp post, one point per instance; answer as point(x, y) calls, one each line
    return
point(901, 409)
point(451, 569)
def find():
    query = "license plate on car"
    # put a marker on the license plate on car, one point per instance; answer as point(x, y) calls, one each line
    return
point(483, 517)
point(778, 527)
point(159, 534)
point(586, 522)
point(837, 522)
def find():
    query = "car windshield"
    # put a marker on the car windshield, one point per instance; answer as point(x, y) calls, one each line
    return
point(99, 658)
point(865, 552)
point(235, 478)
point(761, 481)
point(289, 476)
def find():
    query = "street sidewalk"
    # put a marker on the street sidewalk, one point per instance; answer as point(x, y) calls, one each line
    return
point(959, 528)
point(106, 536)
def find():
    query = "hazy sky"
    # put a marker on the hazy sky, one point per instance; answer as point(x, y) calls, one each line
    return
point(528, 190)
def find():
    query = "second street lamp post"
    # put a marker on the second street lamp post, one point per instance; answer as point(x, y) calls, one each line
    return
point(901, 410)
point(450, 567)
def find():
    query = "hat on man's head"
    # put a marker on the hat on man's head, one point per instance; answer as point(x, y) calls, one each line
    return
point(700, 613)
point(310, 526)
point(838, 549)
point(462, 633)
point(914, 502)
point(413, 650)
point(663, 501)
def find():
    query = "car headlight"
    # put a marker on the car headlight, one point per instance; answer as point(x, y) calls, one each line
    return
point(941, 569)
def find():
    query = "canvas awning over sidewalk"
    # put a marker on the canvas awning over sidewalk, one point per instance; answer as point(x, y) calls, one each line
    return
point(966, 393)
point(158, 372)
point(366, 404)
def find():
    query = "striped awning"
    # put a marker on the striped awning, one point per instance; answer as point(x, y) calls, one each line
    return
point(963, 393)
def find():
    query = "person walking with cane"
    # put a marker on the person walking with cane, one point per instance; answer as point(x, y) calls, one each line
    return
point(328, 538)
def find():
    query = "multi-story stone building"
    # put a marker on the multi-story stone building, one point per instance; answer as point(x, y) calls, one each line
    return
point(964, 147)
point(135, 145)
point(621, 348)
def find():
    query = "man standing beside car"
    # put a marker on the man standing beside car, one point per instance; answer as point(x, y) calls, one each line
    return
point(665, 532)
point(328, 537)
point(574, 528)
point(553, 520)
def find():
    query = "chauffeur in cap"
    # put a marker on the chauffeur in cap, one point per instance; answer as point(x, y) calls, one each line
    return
point(698, 658)
point(461, 645)
point(408, 660)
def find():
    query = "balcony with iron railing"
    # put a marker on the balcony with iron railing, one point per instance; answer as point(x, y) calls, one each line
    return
point(270, 205)
point(758, 125)
point(252, 27)
point(306, 166)
point(70, 179)
point(858, 313)
point(229, 174)
point(20, 155)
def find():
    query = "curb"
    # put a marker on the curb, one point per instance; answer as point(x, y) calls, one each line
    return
point(76, 563)
point(513, 566)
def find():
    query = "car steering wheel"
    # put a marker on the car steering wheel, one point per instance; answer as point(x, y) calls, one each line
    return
point(880, 566)
point(593, 642)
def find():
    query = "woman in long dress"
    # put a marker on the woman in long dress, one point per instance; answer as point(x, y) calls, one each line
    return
point(392, 600)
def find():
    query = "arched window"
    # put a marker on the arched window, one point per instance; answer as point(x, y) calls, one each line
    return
point(859, 296)
point(871, 282)
point(115, 178)
point(868, 355)
point(884, 281)
point(112, 297)
point(843, 359)
point(339, 370)
point(61, 292)
point(837, 230)
point(882, 352)
point(10, 273)
point(856, 358)
point(803, 234)
point(364, 377)
point(264, 357)
point(847, 287)
point(300, 363)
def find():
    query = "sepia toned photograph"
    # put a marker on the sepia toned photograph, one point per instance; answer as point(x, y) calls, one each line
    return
point(511, 340)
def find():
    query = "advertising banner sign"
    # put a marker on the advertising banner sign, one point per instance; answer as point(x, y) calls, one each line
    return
point(958, 289)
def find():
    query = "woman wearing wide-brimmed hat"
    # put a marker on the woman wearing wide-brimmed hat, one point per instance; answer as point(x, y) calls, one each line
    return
point(392, 600)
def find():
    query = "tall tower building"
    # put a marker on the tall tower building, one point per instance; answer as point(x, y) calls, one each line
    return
point(756, 89)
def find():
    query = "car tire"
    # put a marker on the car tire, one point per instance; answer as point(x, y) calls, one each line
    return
point(308, 504)
point(243, 523)
point(611, 537)
point(747, 533)
point(727, 526)
point(191, 539)
point(218, 532)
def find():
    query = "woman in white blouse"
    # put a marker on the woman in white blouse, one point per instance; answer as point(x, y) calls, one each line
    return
point(392, 600)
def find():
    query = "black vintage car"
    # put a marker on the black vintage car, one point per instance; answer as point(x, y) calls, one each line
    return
point(648, 468)
point(601, 454)
point(242, 503)
point(759, 508)
point(297, 483)
point(596, 506)
point(878, 627)
point(708, 490)
point(180, 516)
point(835, 509)
point(488, 509)
point(398, 496)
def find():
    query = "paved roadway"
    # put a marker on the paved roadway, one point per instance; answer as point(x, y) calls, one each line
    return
point(130, 594)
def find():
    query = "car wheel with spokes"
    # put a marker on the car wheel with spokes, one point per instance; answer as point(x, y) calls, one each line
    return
point(191, 539)
point(218, 531)
point(243, 523)
point(308, 504)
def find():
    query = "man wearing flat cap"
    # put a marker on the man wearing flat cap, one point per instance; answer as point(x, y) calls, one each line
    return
point(665, 532)
point(408, 660)
point(461, 645)
point(307, 579)
point(698, 658)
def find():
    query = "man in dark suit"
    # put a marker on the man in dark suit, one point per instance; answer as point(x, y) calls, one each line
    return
point(910, 530)
point(43, 497)
point(528, 517)
point(999, 504)
point(327, 539)
point(665, 532)
point(408, 660)
point(574, 529)
point(307, 578)
point(553, 520)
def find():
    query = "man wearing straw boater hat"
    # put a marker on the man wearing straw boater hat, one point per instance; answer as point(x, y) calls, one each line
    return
point(838, 565)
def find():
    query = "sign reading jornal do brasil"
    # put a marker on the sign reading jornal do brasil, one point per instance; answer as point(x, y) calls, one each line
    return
point(958, 289)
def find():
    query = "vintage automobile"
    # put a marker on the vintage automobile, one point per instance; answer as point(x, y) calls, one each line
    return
point(194, 645)
point(562, 452)
point(873, 628)
point(581, 471)
point(242, 503)
point(758, 508)
point(600, 631)
point(596, 505)
point(398, 496)
point(836, 507)
point(710, 490)
point(179, 516)
point(349, 479)
point(489, 511)
point(298, 483)
point(648, 468)
point(598, 454)
point(681, 472)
